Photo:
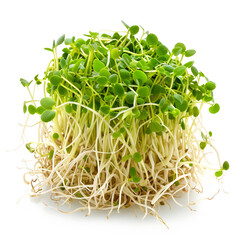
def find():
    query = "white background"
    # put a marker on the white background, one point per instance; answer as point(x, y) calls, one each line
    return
point(210, 27)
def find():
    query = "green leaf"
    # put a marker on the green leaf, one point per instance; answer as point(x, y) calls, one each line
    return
point(93, 34)
point(136, 179)
point(108, 98)
point(168, 68)
point(68, 108)
point(130, 97)
point(78, 195)
point(114, 53)
point(62, 63)
point(76, 66)
point(61, 40)
point(194, 71)
point(137, 157)
point(32, 109)
point(97, 65)
point(182, 106)
point(47, 102)
point(134, 29)
point(179, 71)
point(125, 24)
point(116, 134)
point(126, 157)
point(190, 52)
point(40, 110)
point(189, 64)
point(29, 148)
point(113, 78)
point(156, 127)
point(50, 155)
point(24, 107)
point(207, 98)
point(210, 86)
point(122, 130)
point(102, 80)
point(143, 92)
point(178, 98)
point(125, 74)
point(195, 111)
point(48, 49)
point(62, 90)
point(225, 166)
point(203, 145)
point(163, 105)
point(152, 39)
point(180, 45)
point(105, 109)
point(118, 89)
point(143, 115)
point(157, 89)
point(136, 189)
point(55, 80)
point(55, 136)
point(132, 172)
point(68, 41)
point(161, 50)
point(139, 77)
point(126, 59)
point(218, 173)
point(48, 115)
point(24, 82)
point(214, 108)
point(176, 51)
point(183, 126)
point(175, 112)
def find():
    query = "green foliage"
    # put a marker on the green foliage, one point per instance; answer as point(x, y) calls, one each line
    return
point(152, 39)
point(61, 40)
point(97, 65)
point(105, 109)
point(214, 108)
point(118, 89)
point(143, 91)
point(218, 173)
point(190, 52)
point(140, 77)
point(32, 109)
point(134, 29)
point(55, 136)
point(113, 74)
point(137, 157)
point(225, 165)
point(47, 102)
point(55, 80)
point(48, 115)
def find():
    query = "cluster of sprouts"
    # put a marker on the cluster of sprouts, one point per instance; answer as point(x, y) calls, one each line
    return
point(119, 122)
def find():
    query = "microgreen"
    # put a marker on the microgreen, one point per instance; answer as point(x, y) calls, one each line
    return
point(225, 165)
point(152, 39)
point(137, 157)
point(190, 52)
point(55, 135)
point(48, 115)
point(55, 80)
point(143, 92)
point(47, 103)
point(161, 50)
point(214, 108)
point(134, 29)
point(122, 119)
